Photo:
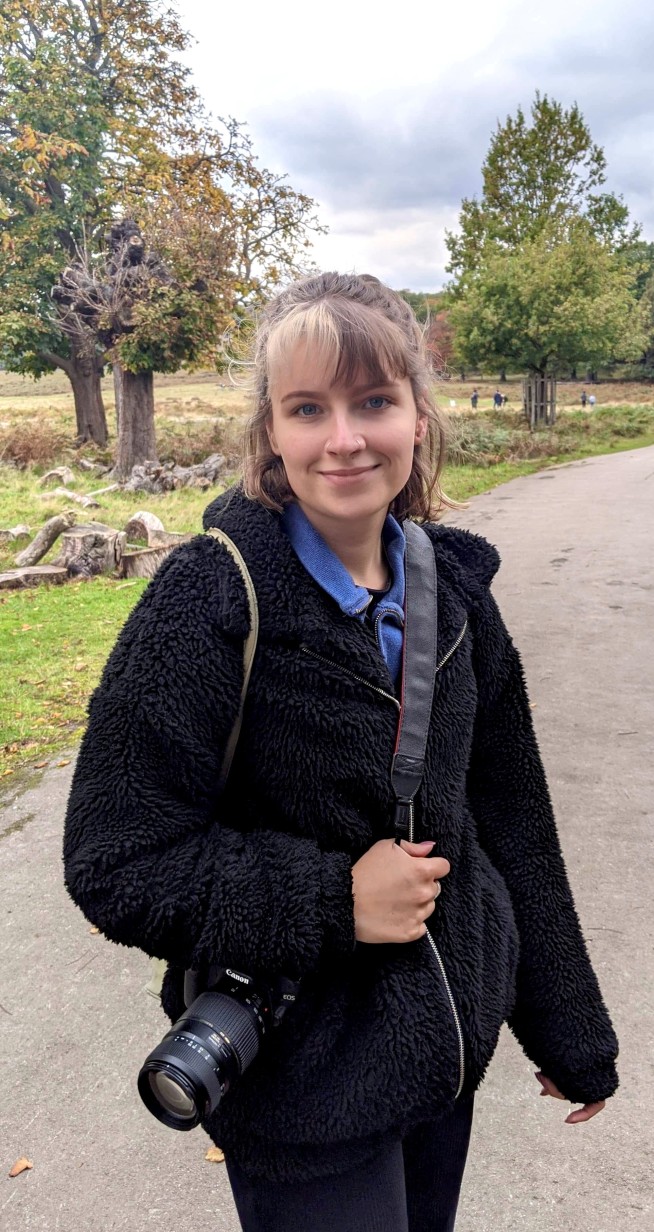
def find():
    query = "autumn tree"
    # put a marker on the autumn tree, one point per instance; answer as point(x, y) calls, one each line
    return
point(89, 90)
point(98, 121)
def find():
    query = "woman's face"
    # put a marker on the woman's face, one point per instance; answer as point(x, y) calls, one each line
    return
point(347, 449)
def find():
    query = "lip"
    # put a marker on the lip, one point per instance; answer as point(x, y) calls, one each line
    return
point(349, 474)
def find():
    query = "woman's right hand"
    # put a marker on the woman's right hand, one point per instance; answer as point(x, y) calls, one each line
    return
point(395, 892)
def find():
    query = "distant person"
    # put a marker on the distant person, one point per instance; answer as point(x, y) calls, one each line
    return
point(592, 400)
point(474, 399)
point(584, 397)
point(497, 399)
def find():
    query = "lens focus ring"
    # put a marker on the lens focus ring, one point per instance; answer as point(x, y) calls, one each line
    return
point(236, 1024)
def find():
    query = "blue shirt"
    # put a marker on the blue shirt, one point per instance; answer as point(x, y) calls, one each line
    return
point(330, 573)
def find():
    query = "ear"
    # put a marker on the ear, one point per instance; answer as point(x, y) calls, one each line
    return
point(271, 437)
point(422, 424)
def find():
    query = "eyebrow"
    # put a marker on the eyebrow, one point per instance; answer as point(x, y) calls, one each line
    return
point(358, 389)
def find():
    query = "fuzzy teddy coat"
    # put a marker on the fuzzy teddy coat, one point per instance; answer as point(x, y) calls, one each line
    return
point(383, 1037)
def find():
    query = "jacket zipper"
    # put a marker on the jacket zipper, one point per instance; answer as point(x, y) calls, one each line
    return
point(446, 982)
point(331, 663)
point(432, 943)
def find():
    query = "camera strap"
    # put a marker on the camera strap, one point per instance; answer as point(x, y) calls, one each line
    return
point(419, 666)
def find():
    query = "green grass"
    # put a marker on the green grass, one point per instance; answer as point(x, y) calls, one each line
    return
point(54, 640)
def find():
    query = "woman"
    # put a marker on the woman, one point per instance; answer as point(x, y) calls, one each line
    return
point(356, 1114)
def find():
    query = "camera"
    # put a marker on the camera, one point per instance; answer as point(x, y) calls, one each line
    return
point(227, 1018)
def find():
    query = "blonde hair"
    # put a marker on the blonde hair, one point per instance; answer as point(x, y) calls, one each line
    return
point(365, 327)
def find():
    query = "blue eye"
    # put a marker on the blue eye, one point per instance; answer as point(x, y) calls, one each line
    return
point(377, 402)
point(307, 411)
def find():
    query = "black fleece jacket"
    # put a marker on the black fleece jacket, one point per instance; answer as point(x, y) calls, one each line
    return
point(260, 877)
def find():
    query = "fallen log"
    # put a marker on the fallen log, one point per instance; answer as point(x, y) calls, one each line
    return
point(62, 473)
point(170, 538)
point(45, 538)
point(168, 476)
point(87, 501)
point(15, 579)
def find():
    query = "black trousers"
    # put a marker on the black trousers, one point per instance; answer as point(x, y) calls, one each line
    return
point(413, 1185)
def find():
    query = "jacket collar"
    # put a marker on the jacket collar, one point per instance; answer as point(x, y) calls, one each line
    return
point(295, 610)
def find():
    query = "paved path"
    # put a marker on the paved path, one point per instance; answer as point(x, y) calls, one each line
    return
point(577, 590)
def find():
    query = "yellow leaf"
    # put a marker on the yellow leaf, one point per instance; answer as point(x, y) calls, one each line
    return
point(64, 763)
point(38, 765)
point(21, 1165)
point(94, 930)
point(214, 1155)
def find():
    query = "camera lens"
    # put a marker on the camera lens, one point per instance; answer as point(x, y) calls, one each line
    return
point(186, 1075)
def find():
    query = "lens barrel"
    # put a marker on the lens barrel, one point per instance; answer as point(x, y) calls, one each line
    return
point(184, 1078)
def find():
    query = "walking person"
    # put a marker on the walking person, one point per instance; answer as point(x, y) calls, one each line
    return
point(356, 1114)
point(474, 399)
point(497, 399)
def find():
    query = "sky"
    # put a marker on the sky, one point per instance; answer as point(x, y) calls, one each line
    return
point(384, 113)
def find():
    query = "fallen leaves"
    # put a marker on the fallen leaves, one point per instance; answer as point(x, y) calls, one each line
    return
point(215, 1156)
point(94, 930)
point(64, 763)
point(38, 765)
point(21, 1165)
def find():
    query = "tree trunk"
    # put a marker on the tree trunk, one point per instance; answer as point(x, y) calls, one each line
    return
point(89, 407)
point(136, 439)
point(502, 375)
point(84, 372)
point(118, 394)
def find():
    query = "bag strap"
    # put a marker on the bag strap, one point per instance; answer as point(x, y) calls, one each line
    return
point(420, 657)
point(249, 647)
point(158, 965)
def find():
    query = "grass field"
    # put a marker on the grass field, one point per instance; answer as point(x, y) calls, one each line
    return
point(54, 640)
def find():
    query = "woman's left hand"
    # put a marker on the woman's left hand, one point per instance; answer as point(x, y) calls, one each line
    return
point(582, 1114)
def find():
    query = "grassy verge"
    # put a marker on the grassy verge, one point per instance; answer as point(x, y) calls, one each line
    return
point(54, 640)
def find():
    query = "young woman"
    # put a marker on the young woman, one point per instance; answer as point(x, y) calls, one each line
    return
point(356, 1114)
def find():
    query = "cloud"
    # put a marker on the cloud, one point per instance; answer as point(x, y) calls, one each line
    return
point(395, 143)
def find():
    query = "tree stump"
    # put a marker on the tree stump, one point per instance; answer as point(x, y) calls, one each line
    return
point(13, 534)
point(90, 550)
point(45, 538)
point(143, 563)
point(142, 525)
point(16, 579)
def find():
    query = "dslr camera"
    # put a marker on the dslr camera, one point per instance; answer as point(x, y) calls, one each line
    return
point(227, 1018)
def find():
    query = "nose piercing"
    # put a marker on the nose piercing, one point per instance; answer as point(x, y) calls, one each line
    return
point(359, 443)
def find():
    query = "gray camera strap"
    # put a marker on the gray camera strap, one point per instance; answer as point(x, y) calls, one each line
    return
point(419, 666)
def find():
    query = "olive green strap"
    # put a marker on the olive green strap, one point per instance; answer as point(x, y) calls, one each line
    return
point(158, 965)
point(249, 647)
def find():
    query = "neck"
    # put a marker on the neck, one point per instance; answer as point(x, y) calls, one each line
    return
point(358, 546)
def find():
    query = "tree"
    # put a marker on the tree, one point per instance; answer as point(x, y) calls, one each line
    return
point(98, 121)
point(555, 301)
point(90, 88)
point(424, 303)
point(440, 340)
point(537, 176)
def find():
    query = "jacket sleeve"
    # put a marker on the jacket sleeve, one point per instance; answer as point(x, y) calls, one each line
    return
point(149, 856)
point(559, 1016)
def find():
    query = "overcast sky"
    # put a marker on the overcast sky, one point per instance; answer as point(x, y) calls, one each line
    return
point(384, 114)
